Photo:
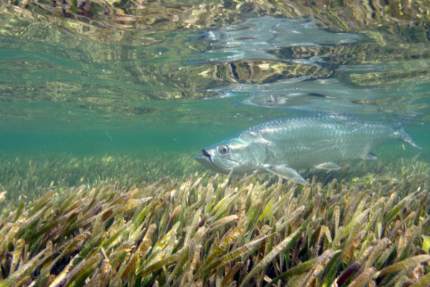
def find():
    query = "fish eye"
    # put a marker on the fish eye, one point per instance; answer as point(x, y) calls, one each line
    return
point(223, 149)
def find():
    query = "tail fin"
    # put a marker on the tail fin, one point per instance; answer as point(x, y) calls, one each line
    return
point(402, 135)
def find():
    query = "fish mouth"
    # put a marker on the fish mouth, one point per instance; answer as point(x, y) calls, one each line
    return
point(206, 154)
point(205, 159)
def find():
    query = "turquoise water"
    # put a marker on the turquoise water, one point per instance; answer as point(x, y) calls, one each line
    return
point(65, 91)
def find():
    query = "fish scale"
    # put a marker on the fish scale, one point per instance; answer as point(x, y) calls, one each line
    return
point(284, 145)
point(329, 138)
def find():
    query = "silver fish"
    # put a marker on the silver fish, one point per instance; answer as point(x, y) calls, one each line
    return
point(283, 146)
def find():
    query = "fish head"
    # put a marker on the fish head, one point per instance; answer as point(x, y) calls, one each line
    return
point(240, 154)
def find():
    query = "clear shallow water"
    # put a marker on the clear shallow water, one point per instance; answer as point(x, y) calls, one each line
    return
point(178, 90)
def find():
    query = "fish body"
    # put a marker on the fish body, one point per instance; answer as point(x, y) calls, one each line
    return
point(285, 145)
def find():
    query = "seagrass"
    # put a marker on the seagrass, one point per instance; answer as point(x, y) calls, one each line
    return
point(363, 227)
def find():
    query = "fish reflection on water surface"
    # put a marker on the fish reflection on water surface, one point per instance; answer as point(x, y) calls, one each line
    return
point(283, 146)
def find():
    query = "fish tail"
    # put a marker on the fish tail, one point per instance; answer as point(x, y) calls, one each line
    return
point(402, 135)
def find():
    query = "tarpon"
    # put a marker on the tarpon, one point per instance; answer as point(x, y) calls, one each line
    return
point(285, 145)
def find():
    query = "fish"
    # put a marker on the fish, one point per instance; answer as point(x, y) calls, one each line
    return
point(286, 145)
point(287, 100)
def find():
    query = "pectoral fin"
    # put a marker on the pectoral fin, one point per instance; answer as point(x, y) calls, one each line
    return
point(328, 166)
point(285, 172)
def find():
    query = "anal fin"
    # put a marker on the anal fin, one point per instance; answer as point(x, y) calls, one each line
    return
point(328, 166)
point(285, 172)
